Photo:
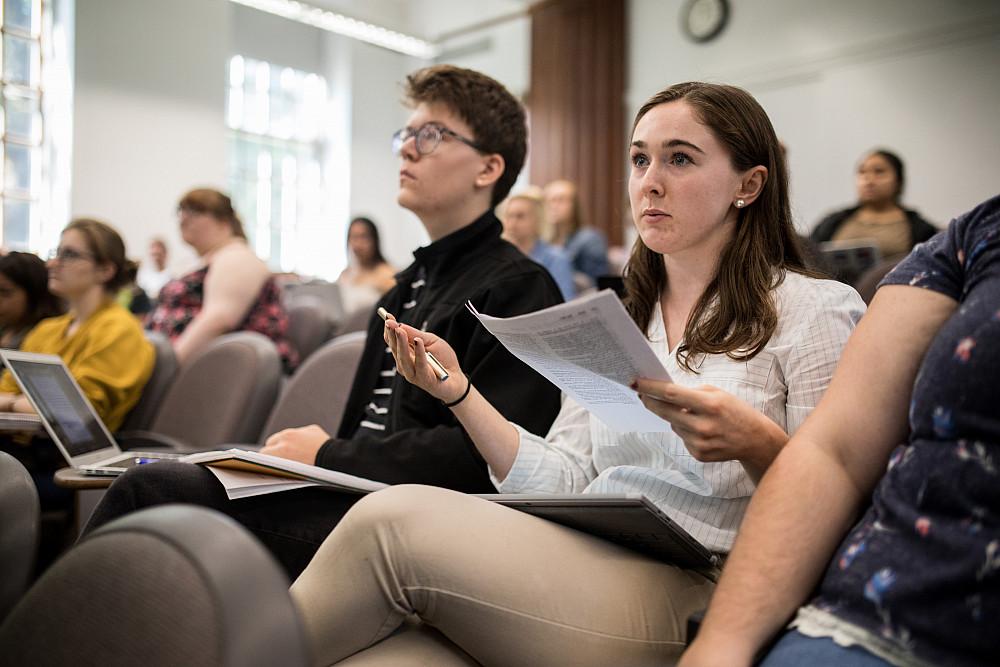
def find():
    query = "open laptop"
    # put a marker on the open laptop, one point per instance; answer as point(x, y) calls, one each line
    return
point(630, 520)
point(69, 417)
point(847, 260)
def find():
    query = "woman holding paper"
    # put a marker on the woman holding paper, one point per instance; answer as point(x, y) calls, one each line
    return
point(750, 337)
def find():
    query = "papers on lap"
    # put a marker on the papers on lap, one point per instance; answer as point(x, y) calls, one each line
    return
point(592, 350)
point(246, 473)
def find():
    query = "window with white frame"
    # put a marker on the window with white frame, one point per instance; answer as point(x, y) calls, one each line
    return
point(276, 148)
point(25, 161)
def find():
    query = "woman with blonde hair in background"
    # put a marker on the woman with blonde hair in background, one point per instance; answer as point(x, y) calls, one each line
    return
point(585, 247)
point(523, 218)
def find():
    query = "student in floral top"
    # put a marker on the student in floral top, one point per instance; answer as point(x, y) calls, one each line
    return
point(232, 291)
point(917, 580)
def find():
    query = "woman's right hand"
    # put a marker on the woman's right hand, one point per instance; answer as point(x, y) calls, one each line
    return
point(410, 346)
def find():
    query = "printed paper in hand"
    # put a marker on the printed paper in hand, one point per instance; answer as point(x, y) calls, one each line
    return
point(592, 350)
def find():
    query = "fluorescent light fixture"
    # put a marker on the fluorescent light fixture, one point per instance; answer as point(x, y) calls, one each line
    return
point(343, 25)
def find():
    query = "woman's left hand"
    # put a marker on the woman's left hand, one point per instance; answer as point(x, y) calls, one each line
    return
point(714, 424)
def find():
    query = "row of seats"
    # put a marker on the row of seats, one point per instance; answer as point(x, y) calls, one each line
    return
point(233, 392)
point(112, 600)
point(310, 324)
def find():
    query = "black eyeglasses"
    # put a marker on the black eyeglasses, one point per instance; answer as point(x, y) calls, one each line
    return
point(428, 136)
point(69, 255)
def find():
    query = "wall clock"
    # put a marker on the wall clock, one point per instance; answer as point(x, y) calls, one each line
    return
point(702, 20)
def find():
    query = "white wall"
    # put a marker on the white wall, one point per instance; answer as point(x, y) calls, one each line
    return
point(377, 111)
point(148, 112)
point(501, 50)
point(837, 78)
point(149, 109)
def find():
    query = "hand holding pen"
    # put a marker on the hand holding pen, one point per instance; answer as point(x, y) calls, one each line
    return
point(442, 374)
point(424, 360)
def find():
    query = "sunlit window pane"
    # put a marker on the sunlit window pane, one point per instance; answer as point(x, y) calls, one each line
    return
point(275, 114)
point(20, 168)
point(16, 224)
point(22, 116)
point(20, 60)
point(21, 15)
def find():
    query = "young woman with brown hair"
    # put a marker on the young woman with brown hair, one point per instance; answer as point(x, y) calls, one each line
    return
point(718, 284)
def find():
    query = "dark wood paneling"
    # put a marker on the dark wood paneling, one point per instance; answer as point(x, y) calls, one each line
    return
point(576, 103)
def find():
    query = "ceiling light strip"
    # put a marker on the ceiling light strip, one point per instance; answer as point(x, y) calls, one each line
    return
point(346, 26)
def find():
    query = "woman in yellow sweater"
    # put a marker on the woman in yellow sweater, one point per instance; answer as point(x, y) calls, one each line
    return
point(101, 343)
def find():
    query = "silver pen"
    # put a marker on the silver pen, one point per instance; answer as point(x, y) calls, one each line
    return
point(435, 364)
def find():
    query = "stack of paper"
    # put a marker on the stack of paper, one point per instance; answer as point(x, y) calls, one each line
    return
point(247, 473)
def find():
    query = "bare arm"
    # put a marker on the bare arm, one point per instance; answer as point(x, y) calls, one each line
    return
point(231, 287)
point(818, 482)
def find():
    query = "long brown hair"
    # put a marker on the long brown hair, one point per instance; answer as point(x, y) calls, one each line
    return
point(736, 314)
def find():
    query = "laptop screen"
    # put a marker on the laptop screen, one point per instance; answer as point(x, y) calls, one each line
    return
point(62, 406)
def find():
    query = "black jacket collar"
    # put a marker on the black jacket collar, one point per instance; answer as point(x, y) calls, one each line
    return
point(438, 256)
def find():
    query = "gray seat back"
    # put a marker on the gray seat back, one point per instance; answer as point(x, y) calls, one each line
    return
point(19, 517)
point(356, 321)
point(164, 371)
point(171, 585)
point(223, 394)
point(308, 325)
point(318, 391)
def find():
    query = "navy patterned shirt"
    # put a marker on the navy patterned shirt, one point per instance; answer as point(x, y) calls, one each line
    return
point(921, 570)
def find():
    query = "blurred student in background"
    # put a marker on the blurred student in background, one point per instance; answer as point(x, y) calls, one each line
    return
point(523, 217)
point(132, 296)
point(153, 274)
point(366, 267)
point(233, 290)
point(585, 247)
point(25, 298)
point(878, 216)
point(101, 343)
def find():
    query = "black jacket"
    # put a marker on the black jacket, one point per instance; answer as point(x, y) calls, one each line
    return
point(920, 229)
point(424, 443)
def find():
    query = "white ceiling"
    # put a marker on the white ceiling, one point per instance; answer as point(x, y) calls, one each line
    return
point(427, 19)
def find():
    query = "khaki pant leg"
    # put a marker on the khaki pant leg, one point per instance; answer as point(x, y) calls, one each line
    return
point(506, 587)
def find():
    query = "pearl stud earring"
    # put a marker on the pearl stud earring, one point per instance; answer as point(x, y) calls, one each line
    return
point(740, 203)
